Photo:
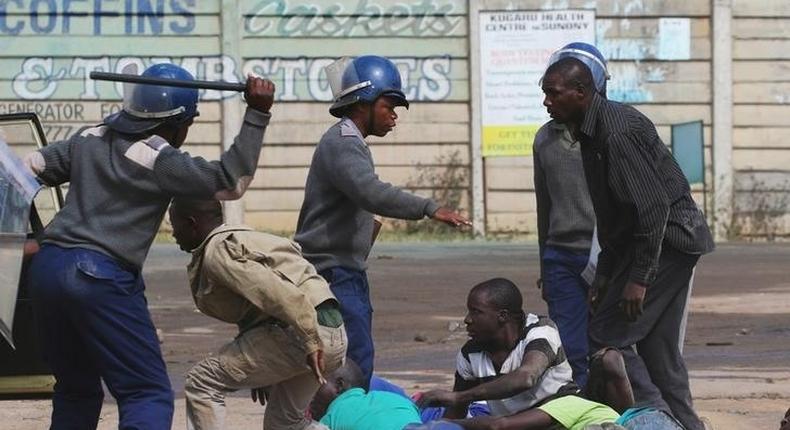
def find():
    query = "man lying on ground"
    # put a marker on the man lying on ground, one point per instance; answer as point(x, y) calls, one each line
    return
point(360, 410)
point(609, 384)
point(343, 404)
point(290, 326)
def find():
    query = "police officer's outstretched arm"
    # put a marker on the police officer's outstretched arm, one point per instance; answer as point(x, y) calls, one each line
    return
point(353, 173)
point(374, 84)
point(450, 217)
point(180, 174)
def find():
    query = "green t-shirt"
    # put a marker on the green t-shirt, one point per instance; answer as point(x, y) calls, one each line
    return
point(377, 410)
point(575, 413)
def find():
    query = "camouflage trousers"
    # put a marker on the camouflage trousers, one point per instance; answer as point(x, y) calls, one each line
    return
point(267, 356)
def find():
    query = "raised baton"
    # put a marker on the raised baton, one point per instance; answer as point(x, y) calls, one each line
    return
point(135, 79)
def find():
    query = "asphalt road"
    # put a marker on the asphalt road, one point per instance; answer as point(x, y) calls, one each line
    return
point(739, 306)
point(737, 346)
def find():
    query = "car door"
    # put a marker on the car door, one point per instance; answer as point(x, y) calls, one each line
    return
point(23, 372)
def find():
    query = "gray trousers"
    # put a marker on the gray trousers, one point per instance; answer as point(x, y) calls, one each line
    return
point(650, 346)
point(265, 356)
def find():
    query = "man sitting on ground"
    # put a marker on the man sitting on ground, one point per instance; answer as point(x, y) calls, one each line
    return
point(342, 404)
point(513, 361)
point(517, 364)
point(608, 385)
point(290, 326)
point(608, 388)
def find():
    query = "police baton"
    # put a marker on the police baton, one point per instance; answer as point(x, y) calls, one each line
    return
point(147, 80)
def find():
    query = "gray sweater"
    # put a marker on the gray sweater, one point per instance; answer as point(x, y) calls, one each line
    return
point(343, 192)
point(566, 218)
point(121, 187)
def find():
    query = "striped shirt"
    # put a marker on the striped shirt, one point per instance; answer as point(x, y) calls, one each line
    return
point(474, 367)
point(641, 198)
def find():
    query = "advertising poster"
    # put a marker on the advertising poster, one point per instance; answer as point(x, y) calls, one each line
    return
point(515, 47)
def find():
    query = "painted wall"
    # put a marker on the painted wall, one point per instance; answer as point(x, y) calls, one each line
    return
point(427, 39)
point(48, 47)
point(669, 91)
point(761, 118)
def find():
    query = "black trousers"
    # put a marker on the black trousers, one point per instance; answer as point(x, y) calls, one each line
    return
point(650, 344)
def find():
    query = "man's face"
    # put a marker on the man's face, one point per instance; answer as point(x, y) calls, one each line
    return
point(384, 116)
point(184, 230)
point(563, 101)
point(325, 395)
point(482, 319)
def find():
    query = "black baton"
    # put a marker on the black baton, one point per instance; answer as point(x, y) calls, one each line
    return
point(135, 79)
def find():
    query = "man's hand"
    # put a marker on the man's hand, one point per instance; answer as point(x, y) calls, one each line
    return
point(450, 217)
point(259, 395)
point(259, 93)
point(316, 362)
point(632, 301)
point(30, 249)
point(438, 398)
point(596, 293)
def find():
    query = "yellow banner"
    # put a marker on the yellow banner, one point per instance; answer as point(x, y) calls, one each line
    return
point(508, 140)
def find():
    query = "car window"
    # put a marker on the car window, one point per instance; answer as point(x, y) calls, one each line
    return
point(23, 134)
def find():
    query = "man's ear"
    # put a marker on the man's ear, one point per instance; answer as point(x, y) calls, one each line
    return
point(341, 383)
point(502, 316)
point(581, 91)
point(193, 222)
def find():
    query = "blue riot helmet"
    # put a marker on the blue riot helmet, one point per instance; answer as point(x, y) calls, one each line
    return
point(146, 107)
point(365, 79)
point(590, 56)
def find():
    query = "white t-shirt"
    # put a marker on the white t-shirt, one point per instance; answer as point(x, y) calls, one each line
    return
point(475, 366)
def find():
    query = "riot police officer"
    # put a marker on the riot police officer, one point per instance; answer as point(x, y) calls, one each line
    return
point(343, 193)
point(86, 283)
